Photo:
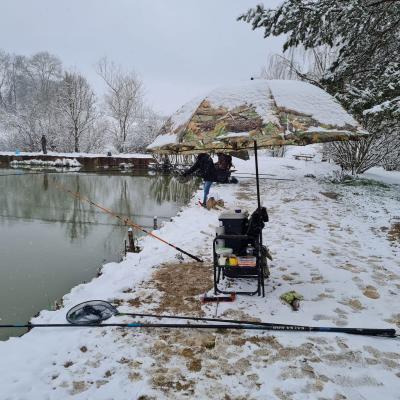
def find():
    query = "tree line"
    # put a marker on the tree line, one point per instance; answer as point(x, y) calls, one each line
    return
point(39, 97)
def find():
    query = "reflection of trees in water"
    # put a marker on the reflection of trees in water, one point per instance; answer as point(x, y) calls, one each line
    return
point(36, 197)
point(79, 215)
point(45, 182)
point(169, 188)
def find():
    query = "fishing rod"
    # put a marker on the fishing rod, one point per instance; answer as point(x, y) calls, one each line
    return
point(250, 173)
point(65, 221)
point(282, 328)
point(87, 172)
point(97, 311)
point(126, 221)
point(271, 179)
point(37, 173)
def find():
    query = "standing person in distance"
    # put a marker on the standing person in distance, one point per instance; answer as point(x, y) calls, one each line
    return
point(43, 141)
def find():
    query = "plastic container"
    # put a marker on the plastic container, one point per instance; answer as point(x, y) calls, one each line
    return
point(222, 261)
point(233, 261)
point(224, 251)
point(250, 250)
point(247, 261)
point(235, 222)
point(220, 243)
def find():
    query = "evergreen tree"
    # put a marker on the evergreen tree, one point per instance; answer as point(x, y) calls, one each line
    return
point(365, 34)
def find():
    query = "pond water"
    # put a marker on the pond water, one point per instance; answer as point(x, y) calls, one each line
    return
point(50, 241)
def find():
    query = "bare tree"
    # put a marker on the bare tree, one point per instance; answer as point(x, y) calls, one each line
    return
point(5, 70)
point(277, 67)
point(77, 104)
point(359, 156)
point(123, 100)
point(309, 65)
point(146, 129)
point(31, 113)
point(44, 68)
point(93, 140)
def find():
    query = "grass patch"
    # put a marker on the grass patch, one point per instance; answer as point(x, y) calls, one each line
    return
point(394, 232)
point(361, 182)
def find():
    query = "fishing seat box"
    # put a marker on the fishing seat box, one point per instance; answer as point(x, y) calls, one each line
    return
point(236, 222)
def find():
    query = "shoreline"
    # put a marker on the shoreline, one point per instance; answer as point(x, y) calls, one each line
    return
point(310, 236)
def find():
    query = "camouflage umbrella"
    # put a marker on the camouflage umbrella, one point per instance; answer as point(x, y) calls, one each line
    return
point(256, 114)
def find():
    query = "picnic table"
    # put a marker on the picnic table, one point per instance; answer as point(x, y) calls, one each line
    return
point(306, 157)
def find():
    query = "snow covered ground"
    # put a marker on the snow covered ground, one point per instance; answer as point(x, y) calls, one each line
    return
point(85, 155)
point(330, 243)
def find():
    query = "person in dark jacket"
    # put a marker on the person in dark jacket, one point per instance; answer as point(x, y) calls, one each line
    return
point(223, 167)
point(205, 165)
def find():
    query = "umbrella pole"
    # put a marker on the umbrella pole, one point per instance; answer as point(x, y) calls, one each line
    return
point(261, 283)
point(257, 176)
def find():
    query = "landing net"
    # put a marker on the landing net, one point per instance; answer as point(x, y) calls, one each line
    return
point(90, 312)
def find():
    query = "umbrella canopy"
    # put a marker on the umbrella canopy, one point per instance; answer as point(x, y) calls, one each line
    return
point(270, 112)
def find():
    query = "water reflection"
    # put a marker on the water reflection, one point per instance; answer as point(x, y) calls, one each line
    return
point(50, 241)
point(170, 188)
point(41, 197)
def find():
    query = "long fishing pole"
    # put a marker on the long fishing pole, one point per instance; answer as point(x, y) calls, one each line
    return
point(37, 173)
point(282, 328)
point(101, 310)
point(94, 312)
point(98, 311)
point(86, 172)
point(126, 221)
point(250, 173)
point(263, 177)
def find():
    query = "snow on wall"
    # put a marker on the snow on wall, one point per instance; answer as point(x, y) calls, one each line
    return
point(80, 155)
point(310, 100)
point(64, 162)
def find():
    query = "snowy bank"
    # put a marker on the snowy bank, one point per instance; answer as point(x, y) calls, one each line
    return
point(73, 155)
point(329, 243)
point(59, 162)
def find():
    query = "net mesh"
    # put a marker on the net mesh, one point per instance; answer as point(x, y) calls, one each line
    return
point(91, 312)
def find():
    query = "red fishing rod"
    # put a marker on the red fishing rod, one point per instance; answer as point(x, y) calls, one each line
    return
point(126, 221)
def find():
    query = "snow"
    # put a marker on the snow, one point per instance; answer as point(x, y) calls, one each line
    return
point(308, 99)
point(321, 129)
point(163, 140)
point(64, 162)
point(379, 174)
point(233, 135)
point(184, 114)
point(176, 123)
point(72, 155)
point(265, 96)
point(255, 93)
point(328, 250)
point(381, 107)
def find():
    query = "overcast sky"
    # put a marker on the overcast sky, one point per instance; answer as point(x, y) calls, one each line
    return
point(179, 48)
